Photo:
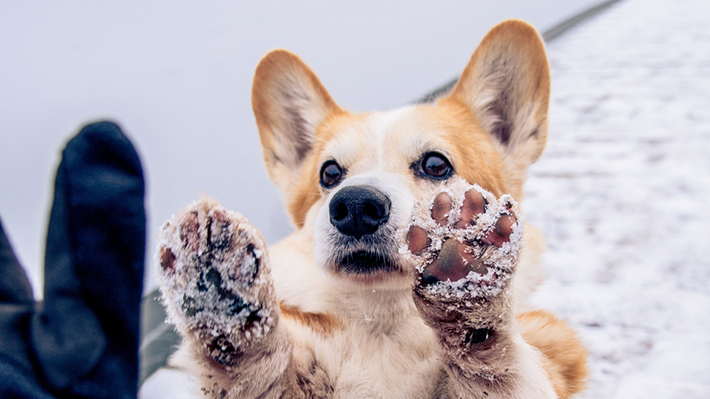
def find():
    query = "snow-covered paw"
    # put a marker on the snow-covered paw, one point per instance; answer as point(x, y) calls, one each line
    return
point(215, 280)
point(465, 243)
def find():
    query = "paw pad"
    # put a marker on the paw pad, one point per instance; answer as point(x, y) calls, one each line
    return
point(213, 278)
point(221, 350)
point(455, 262)
point(167, 259)
point(189, 231)
point(464, 241)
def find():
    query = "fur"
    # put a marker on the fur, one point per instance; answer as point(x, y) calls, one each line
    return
point(304, 325)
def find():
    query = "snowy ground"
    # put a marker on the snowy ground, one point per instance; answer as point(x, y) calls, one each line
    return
point(622, 195)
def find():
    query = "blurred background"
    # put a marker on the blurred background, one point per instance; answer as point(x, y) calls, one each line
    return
point(176, 75)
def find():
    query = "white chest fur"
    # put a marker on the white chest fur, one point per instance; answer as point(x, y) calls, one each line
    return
point(383, 350)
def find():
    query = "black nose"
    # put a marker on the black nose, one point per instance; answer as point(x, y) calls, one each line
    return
point(359, 210)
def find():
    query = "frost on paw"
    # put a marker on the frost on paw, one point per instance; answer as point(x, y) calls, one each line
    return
point(215, 279)
point(465, 243)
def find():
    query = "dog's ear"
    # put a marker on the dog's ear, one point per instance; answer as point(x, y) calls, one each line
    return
point(290, 104)
point(506, 84)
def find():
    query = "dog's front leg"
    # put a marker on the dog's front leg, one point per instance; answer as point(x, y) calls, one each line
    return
point(465, 243)
point(216, 285)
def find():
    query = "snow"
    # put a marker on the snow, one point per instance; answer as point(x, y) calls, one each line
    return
point(202, 290)
point(500, 261)
point(622, 196)
point(175, 384)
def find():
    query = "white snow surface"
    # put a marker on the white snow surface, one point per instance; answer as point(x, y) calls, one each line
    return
point(622, 196)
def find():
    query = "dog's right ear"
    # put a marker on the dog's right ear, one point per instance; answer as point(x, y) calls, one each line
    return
point(507, 86)
point(289, 103)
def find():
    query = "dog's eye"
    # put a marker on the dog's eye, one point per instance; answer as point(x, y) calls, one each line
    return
point(330, 174)
point(436, 165)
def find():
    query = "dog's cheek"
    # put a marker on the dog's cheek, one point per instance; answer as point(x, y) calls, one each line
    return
point(402, 208)
point(322, 233)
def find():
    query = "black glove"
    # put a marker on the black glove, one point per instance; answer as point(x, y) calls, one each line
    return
point(82, 340)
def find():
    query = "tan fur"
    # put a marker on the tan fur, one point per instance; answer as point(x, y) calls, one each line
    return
point(565, 357)
point(362, 336)
point(510, 59)
point(323, 323)
point(284, 168)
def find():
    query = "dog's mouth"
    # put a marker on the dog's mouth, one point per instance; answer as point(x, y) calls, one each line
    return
point(366, 262)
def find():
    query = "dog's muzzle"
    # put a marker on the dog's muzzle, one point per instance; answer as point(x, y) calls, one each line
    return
point(357, 211)
point(360, 232)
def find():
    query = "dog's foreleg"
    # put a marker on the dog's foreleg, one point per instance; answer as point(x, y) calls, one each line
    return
point(216, 285)
point(465, 243)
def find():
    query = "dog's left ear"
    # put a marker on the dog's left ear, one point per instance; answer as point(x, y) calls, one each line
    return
point(506, 84)
point(289, 103)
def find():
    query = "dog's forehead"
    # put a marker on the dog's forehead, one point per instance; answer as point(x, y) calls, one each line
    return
point(384, 140)
point(396, 140)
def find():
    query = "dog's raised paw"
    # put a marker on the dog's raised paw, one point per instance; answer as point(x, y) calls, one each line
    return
point(214, 278)
point(464, 242)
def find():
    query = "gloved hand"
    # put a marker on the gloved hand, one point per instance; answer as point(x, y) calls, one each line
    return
point(82, 340)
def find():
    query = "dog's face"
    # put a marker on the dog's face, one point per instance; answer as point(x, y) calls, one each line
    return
point(353, 178)
point(371, 170)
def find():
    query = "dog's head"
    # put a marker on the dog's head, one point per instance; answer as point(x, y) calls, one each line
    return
point(353, 178)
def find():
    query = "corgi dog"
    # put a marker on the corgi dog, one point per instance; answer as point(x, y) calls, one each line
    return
point(408, 271)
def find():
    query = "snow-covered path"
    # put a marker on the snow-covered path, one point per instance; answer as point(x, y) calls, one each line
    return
point(622, 195)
